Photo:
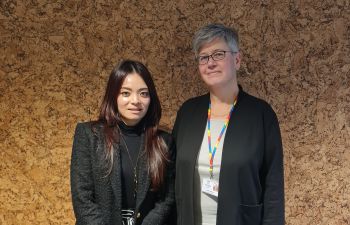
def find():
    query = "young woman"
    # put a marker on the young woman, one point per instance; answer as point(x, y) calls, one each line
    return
point(229, 148)
point(121, 169)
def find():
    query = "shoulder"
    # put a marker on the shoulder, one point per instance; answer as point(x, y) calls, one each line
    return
point(168, 138)
point(191, 105)
point(169, 141)
point(251, 104)
point(195, 101)
point(165, 135)
point(254, 103)
point(90, 128)
point(84, 125)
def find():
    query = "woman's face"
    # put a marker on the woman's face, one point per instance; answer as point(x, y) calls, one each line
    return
point(133, 100)
point(220, 73)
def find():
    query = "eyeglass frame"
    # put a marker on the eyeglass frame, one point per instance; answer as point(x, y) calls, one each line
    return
point(212, 56)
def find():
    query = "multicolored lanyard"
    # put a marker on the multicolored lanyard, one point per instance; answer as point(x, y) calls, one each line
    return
point(212, 152)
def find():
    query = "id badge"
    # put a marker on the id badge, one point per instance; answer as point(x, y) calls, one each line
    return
point(210, 186)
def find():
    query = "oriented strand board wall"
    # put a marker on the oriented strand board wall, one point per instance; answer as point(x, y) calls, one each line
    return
point(55, 57)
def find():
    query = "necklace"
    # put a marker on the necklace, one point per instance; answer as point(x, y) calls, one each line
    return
point(134, 166)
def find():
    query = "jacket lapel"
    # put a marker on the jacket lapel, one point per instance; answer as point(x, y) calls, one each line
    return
point(143, 180)
point(115, 177)
point(232, 126)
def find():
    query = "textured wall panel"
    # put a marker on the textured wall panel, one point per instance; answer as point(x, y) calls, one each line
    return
point(55, 57)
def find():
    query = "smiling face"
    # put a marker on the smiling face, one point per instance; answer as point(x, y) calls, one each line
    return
point(220, 73)
point(133, 100)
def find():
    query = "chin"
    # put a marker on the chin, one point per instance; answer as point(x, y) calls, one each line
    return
point(214, 84)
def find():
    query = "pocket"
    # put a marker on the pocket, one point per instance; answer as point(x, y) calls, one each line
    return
point(250, 214)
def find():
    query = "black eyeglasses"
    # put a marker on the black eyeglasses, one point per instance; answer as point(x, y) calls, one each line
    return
point(216, 56)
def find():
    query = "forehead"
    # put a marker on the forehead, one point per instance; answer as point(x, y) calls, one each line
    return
point(214, 45)
point(133, 81)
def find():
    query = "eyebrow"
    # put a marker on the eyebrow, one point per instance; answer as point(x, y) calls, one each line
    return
point(129, 89)
point(206, 53)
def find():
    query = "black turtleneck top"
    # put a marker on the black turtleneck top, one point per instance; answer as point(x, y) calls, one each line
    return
point(132, 135)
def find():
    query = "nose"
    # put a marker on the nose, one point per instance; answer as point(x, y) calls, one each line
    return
point(135, 99)
point(211, 61)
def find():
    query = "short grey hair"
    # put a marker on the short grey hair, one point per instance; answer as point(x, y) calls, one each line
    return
point(210, 32)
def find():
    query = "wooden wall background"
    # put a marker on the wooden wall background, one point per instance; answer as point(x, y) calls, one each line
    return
point(55, 57)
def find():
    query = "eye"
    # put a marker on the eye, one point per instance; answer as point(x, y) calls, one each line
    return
point(203, 58)
point(125, 94)
point(219, 55)
point(144, 94)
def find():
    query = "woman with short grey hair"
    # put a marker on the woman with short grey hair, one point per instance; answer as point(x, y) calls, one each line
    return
point(229, 164)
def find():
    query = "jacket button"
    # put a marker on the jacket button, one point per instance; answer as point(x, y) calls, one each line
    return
point(138, 215)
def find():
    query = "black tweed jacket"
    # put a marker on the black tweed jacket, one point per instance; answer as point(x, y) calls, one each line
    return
point(97, 198)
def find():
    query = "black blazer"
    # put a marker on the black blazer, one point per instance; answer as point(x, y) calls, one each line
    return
point(251, 189)
point(97, 198)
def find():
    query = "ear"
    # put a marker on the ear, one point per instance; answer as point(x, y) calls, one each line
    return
point(237, 60)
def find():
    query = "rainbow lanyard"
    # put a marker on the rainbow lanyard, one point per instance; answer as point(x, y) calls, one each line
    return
point(212, 152)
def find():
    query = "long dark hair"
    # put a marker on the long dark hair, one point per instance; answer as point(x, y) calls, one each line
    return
point(155, 147)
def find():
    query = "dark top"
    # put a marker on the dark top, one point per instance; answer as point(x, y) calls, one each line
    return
point(97, 198)
point(251, 187)
point(132, 136)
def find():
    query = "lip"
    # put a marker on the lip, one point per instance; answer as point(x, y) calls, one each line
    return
point(213, 72)
point(135, 110)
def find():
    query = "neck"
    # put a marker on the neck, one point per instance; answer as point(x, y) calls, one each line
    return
point(224, 95)
point(128, 130)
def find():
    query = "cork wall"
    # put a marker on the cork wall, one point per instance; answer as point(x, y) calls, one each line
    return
point(55, 57)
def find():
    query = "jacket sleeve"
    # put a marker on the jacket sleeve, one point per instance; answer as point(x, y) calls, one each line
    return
point(86, 210)
point(273, 171)
point(161, 213)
